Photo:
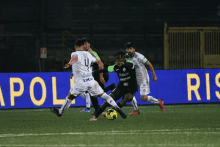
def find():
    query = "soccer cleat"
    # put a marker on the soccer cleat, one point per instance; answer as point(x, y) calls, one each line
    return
point(161, 105)
point(85, 110)
point(123, 115)
point(93, 118)
point(135, 112)
point(104, 114)
point(55, 111)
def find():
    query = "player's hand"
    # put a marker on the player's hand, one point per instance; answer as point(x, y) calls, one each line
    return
point(90, 50)
point(102, 80)
point(67, 65)
point(154, 78)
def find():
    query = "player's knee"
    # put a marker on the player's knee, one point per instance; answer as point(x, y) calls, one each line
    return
point(71, 97)
point(113, 96)
point(130, 98)
point(144, 97)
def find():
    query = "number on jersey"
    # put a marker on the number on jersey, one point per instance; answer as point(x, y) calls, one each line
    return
point(87, 63)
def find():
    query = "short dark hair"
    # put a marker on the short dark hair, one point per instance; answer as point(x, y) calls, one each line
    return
point(84, 39)
point(120, 54)
point(129, 44)
point(79, 42)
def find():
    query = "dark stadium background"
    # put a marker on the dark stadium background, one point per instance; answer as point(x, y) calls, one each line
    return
point(28, 25)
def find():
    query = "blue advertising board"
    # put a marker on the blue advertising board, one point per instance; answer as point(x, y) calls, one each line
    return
point(43, 90)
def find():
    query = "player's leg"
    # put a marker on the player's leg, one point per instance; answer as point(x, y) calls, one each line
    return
point(97, 90)
point(94, 100)
point(144, 91)
point(127, 98)
point(135, 107)
point(86, 96)
point(65, 105)
point(105, 104)
point(67, 102)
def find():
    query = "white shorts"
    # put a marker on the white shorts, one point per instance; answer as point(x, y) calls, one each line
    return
point(145, 88)
point(87, 84)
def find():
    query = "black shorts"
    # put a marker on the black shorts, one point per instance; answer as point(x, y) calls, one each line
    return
point(105, 76)
point(120, 91)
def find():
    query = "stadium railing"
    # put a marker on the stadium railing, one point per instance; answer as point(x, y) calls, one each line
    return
point(191, 47)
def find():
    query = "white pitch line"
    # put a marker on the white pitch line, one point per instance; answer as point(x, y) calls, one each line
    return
point(99, 132)
point(181, 132)
point(107, 145)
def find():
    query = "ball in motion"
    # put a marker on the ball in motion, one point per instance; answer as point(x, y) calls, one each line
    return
point(111, 114)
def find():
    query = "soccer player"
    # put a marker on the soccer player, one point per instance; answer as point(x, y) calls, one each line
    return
point(142, 77)
point(127, 85)
point(83, 80)
point(101, 78)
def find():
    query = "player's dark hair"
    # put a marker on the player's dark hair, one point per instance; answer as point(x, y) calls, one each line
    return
point(79, 42)
point(120, 54)
point(84, 39)
point(128, 45)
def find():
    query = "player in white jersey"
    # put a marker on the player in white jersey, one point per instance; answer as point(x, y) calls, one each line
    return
point(142, 77)
point(83, 80)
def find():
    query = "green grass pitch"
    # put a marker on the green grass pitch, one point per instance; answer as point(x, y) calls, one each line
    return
point(178, 125)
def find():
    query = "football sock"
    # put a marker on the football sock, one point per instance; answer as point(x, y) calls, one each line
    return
point(99, 112)
point(109, 100)
point(95, 102)
point(65, 105)
point(119, 105)
point(134, 103)
point(88, 102)
point(152, 100)
point(83, 95)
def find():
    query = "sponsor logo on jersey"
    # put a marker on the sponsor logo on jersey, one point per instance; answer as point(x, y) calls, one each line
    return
point(123, 74)
point(88, 79)
point(124, 79)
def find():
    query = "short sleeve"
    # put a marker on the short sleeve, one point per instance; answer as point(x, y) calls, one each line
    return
point(142, 59)
point(111, 68)
point(96, 55)
point(74, 54)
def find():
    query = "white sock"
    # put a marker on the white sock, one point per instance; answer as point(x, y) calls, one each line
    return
point(152, 100)
point(134, 103)
point(88, 101)
point(83, 95)
point(110, 100)
point(65, 105)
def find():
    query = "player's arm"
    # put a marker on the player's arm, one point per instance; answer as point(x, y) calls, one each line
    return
point(72, 61)
point(144, 61)
point(152, 71)
point(109, 69)
point(100, 65)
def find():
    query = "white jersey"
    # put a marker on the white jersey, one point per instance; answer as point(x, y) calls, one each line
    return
point(141, 71)
point(82, 67)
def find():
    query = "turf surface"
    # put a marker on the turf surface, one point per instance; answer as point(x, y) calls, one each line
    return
point(178, 125)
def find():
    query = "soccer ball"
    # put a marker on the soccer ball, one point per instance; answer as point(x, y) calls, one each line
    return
point(111, 114)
